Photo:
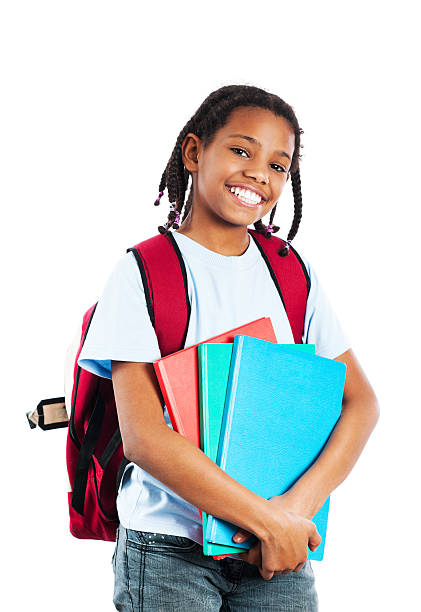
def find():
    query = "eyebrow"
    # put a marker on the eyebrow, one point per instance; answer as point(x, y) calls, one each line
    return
point(254, 141)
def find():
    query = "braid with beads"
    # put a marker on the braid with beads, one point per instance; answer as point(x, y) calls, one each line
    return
point(211, 115)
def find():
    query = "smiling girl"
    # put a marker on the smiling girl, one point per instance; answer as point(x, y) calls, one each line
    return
point(240, 149)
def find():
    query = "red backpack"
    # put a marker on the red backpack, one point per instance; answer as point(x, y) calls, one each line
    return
point(94, 453)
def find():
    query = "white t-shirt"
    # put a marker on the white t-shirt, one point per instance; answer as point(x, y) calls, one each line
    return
point(225, 292)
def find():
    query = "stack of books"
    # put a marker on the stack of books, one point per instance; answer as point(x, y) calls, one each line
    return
point(262, 411)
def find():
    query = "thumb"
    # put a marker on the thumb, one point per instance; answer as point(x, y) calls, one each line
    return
point(241, 535)
point(314, 540)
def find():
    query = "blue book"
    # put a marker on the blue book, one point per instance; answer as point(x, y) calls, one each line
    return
point(281, 406)
point(214, 361)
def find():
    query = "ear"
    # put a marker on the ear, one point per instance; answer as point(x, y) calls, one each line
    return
point(189, 151)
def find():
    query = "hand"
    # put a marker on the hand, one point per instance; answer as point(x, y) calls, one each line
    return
point(286, 503)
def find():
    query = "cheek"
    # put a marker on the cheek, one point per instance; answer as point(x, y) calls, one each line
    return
point(221, 167)
point(278, 186)
point(210, 175)
point(212, 182)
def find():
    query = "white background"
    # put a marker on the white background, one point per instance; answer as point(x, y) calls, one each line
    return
point(94, 95)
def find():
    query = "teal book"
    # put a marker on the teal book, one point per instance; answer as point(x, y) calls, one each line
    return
point(281, 406)
point(214, 366)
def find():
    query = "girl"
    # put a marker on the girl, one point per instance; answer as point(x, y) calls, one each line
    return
point(240, 149)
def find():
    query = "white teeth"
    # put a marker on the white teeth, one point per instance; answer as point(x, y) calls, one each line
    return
point(250, 197)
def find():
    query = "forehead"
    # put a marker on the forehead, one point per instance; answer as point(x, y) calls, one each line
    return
point(261, 124)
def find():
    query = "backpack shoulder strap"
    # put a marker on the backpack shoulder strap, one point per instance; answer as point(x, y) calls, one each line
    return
point(290, 277)
point(164, 280)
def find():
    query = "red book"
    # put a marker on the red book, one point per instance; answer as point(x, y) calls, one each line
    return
point(177, 375)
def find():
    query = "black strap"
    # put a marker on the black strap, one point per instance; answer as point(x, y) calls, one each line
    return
point(86, 451)
point(304, 267)
point(120, 472)
point(110, 449)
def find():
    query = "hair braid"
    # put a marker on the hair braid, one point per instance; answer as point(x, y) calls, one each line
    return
point(211, 115)
point(296, 191)
point(174, 178)
point(298, 204)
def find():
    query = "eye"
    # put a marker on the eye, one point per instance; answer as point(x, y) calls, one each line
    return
point(281, 168)
point(238, 149)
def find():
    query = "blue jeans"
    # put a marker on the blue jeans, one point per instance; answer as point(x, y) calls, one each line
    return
point(169, 573)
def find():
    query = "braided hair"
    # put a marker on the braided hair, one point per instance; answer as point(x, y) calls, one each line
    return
point(211, 115)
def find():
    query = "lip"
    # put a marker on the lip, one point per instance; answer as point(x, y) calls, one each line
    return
point(251, 188)
point(241, 202)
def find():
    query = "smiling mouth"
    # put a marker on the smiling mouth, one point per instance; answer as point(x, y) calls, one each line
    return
point(241, 201)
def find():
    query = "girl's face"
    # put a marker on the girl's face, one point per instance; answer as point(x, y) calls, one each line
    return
point(253, 150)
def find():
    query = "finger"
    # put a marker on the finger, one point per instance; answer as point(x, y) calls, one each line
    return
point(241, 535)
point(313, 547)
point(314, 540)
point(254, 554)
point(266, 574)
point(249, 557)
point(254, 557)
point(286, 571)
point(299, 567)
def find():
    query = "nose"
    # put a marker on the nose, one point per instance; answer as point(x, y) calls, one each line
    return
point(259, 174)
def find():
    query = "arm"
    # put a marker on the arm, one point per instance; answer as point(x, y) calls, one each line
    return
point(360, 413)
point(174, 460)
point(359, 416)
point(178, 463)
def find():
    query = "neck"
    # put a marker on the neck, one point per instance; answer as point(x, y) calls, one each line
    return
point(214, 233)
point(230, 242)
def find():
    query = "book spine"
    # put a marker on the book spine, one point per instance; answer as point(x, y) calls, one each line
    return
point(168, 396)
point(202, 357)
point(202, 361)
point(228, 411)
point(229, 401)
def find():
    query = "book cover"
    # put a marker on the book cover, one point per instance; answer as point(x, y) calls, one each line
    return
point(281, 406)
point(177, 376)
point(214, 365)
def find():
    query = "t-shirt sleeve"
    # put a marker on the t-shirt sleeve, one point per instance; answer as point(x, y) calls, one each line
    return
point(120, 328)
point(321, 326)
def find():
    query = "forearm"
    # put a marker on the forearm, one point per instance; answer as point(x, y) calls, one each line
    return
point(357, 421)
point(184, 468)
